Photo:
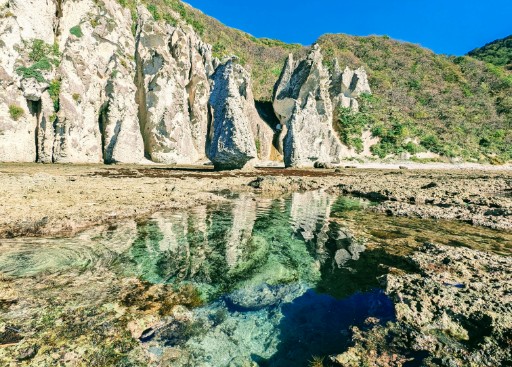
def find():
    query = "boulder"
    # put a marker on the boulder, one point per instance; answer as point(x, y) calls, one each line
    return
point(232, 142)
point(323, 165)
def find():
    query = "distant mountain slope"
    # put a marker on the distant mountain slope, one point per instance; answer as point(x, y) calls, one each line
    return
point(498, 52)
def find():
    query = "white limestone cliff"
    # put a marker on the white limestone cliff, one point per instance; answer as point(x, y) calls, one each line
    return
point(173, 70)
point(90, 82)
point(234, 118)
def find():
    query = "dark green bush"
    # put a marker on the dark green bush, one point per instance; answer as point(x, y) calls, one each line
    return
point(154, 12)
point(431, 143)
point(44, 58)
point(76, 31)
point(34, 71)
point(350, 126)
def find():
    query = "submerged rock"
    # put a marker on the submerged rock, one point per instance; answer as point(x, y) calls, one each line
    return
point(263, 296)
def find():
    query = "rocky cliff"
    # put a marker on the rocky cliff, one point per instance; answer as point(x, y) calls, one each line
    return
point(92, 82)
point(305, 98)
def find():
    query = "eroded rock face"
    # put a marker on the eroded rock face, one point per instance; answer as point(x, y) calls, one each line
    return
point(32, 89)
point(98, 120)
point(174, 66)
point(35, 18)
point(305, 99)
point(347, 86)
point(95, 117)
point(300, 79)
point(303, 105)
point(233, 143)
point(310, 138)
point(18, 115)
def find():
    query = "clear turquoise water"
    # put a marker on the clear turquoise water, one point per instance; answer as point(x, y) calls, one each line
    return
point(282, 280)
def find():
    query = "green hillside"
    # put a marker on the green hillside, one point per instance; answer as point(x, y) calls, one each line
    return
point(454, 106)
point(498, 52)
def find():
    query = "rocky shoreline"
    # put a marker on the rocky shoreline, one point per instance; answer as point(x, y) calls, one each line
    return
point(448, 281)
point(61, 200)
point(456, 310)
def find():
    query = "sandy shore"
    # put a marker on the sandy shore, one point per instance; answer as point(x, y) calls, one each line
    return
point(62, 199)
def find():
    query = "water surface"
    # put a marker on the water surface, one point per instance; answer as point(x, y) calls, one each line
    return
point(250, 282)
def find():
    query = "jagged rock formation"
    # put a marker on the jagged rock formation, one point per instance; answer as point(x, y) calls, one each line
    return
point(83, 82)
point(347, 86)
point(236, 131)
point(174, 66)
point(302, 102)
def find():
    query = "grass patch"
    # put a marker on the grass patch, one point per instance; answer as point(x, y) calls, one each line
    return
point(54, 91)
point(44, 57)
point(16, 112)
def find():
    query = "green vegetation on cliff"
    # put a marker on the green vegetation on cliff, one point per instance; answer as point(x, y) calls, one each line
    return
point(453, 106)
point(263, 57)
point(498, 52)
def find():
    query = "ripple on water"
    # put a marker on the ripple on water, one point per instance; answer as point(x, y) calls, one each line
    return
point(33, 259)
point(97, 248)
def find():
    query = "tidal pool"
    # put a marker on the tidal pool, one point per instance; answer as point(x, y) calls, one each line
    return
point(250, 282)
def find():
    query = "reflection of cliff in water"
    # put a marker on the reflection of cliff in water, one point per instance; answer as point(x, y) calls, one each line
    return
point(246, 241)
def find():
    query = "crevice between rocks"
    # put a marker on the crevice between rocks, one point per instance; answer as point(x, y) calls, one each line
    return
point(267, 114)
point(58, 15)
point(35, 108)
point(140, 95)
point(102, 124)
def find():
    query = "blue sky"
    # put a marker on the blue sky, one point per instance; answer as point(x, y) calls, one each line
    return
point(446, 26)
